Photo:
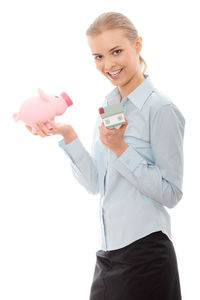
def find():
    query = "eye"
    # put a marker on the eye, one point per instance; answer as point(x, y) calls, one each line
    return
point(97, 56)
point(56, 96)
point(117, 50)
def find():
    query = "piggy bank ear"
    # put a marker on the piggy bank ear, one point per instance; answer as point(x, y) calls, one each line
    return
point(42, 95)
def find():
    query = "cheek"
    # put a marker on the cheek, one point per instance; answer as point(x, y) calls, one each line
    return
point(99, 66)
point(133, 62)
point(130, 70)
point(130, 61)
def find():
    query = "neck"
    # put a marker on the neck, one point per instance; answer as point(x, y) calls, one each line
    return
point(130, 86)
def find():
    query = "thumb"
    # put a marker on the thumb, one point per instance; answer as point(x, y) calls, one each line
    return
point(126, 121)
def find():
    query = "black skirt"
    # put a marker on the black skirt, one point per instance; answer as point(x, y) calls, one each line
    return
point(144, 270)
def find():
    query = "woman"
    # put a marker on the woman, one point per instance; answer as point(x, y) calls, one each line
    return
point(137, 169)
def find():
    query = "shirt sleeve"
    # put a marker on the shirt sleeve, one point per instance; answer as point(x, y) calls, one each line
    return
point(83, 164)
point(162, 180)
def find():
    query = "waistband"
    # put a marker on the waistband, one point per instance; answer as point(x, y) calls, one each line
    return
point(154, 236)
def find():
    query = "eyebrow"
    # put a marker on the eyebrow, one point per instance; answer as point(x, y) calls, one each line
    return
point(108, 51)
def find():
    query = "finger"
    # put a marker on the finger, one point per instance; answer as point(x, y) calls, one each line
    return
point(30, 129)
point(102, 130)
point(110, 132)
point(53, 125)
point(38, 129)
point(125, 124)
point(45, 130)
point(100, 127)
point(106, 131)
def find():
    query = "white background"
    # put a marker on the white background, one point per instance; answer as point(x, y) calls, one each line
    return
point(49, 224)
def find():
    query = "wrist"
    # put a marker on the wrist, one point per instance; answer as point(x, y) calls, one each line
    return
point(121, 149)
point(70, 136)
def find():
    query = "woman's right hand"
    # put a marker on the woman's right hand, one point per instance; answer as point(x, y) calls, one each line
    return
point(63, 129)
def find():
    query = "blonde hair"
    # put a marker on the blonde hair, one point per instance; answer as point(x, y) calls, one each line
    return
point(114, 20)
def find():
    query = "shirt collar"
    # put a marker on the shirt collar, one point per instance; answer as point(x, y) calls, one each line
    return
point(138, 96)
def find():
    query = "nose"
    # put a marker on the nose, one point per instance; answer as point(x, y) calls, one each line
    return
point(108, 64)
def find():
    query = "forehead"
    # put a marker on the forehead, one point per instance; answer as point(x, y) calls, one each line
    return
point(107, 40)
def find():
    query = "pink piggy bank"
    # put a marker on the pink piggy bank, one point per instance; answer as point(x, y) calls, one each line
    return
point(42, 108)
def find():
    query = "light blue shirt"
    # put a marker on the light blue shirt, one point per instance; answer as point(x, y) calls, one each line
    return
point(136, 187)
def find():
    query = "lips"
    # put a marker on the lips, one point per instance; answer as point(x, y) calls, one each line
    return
point(114, 74)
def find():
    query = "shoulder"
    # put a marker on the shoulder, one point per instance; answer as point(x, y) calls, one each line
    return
point(157, 100)
point(160, 105)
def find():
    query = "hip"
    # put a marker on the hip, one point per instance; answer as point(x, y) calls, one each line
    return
point(144, 269)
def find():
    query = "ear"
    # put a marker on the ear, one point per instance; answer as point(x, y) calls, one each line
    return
point(43, 96)
point(138, 44)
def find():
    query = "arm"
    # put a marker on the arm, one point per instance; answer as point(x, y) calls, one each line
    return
point(161, 181)
point(82, 163)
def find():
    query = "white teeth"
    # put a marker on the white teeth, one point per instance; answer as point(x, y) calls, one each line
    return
point(115, 72)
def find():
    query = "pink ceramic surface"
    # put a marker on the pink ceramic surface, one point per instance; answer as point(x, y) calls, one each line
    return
point(41, 108)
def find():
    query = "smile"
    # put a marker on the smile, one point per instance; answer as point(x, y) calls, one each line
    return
point(114, 74)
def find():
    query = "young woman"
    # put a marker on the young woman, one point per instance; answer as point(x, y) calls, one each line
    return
point(137, 169)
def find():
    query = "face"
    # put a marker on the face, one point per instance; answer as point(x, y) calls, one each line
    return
point(115, 56)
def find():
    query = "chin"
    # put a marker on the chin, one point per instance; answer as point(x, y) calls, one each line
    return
point(114, 83)
point(118, 82)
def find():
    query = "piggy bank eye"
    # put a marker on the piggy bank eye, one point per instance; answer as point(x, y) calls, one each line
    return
point(56, 96)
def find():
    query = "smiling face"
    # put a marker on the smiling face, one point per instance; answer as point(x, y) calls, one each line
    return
point(117, 58)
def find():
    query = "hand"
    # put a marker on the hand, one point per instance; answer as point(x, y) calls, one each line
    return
point(113, 138)
point(56, 128)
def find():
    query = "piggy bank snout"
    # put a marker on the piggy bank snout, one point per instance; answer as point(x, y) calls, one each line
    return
point(67, 99)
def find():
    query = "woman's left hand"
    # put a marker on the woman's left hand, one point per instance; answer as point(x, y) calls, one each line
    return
point(113, 138)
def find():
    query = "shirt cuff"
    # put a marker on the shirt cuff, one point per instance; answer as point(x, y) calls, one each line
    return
point(75, 149)
point(129, 158)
